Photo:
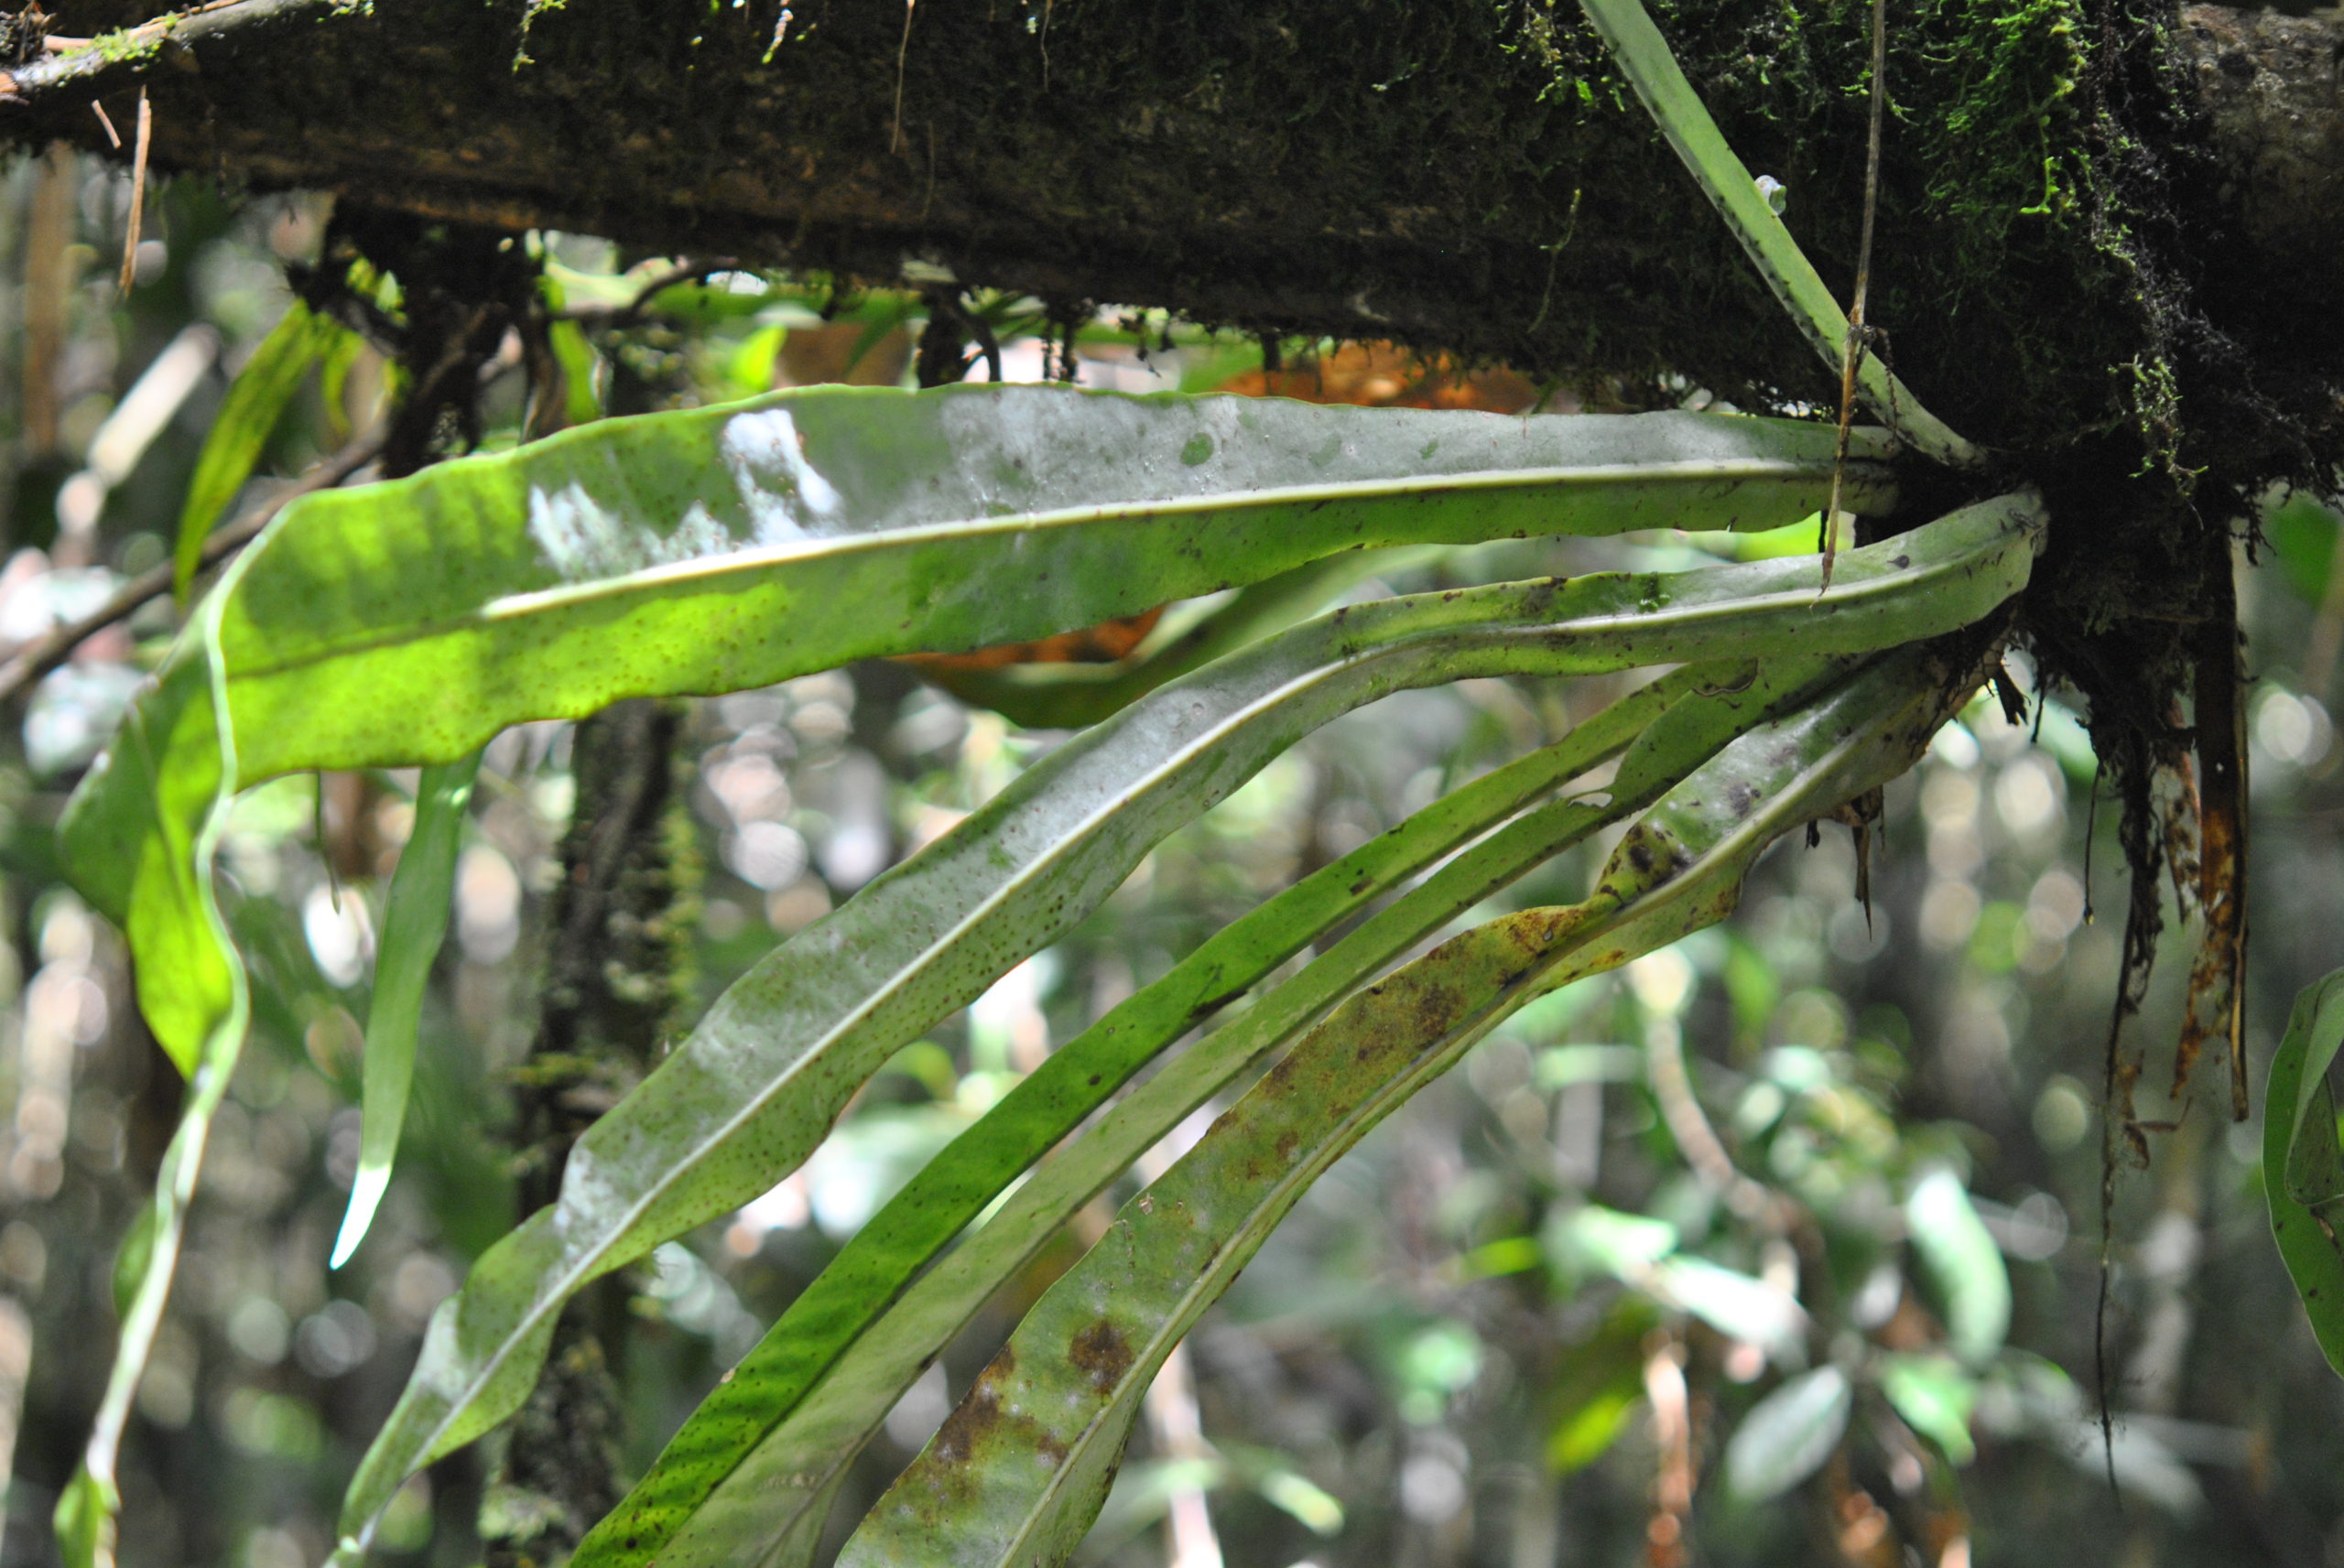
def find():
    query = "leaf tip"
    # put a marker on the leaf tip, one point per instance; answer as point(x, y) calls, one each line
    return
point(365, 1195)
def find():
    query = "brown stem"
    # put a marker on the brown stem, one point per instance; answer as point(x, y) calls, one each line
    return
point(137, 194)
point(2218, 976)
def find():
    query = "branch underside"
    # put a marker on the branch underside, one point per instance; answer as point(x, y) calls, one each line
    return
point(1461, 178)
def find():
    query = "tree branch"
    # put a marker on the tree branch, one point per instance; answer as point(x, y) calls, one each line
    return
point(1467, 181)
point(85, 72)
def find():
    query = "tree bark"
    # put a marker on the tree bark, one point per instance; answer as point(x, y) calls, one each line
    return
point(615, 984)
point(1466, 177)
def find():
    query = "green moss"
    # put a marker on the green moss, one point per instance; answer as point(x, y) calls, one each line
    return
point(130, 45)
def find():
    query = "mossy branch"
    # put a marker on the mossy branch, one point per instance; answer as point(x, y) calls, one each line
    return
point(70, 75)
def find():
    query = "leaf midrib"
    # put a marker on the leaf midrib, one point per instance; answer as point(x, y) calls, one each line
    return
point(1347, 662)
point(1400, 1085)
point(651, 580)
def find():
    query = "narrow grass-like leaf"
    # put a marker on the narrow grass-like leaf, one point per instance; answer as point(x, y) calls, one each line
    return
point(256, 401)
point(2303, 1168)
point(747, 1096)
point(1070, 696)
point(883, 1257)
point(415, 922)
point(819, 1430)
point(1644, 58)
point(1018, 1471)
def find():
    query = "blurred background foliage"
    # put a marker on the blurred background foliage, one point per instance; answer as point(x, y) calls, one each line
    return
point(1781, 1245)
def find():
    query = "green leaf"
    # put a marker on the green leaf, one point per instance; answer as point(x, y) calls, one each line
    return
point(1018, 1471)
point(84, 1522)
point(1592, 1239)
point(1962, 1262)
point(189, 791)
point(747, 1096)
point(1639, 1250)
point(1302, 1499)
point(1070, 695)
point(580, 405)
point(1644, 58)
point(1738, 1305)
point(953, 1189)
point(1934, 1395)
point(131, 1259)
point(415, 922)
point(2314, 1172)
point(1788, 1435)
point(716, 549)
point(256, 401)
point(813, 1428)
point(2303, 531)
point(2300, 1155)
point(1596, 1386)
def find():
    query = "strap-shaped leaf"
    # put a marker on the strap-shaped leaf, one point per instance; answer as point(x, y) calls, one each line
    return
point(749, 1094)
point(2303, 1169)
point(717, 550)
point(713, 550)
point(256, 399)
point(196, 803)
point(1070, 695)
point(725, 549)
point(1644, 58)
point(1018, 1471)
point(708, 1499)
point(415, 922)
point(953, 1188)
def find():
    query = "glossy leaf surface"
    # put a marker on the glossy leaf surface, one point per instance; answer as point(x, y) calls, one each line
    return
point(743, 1499)
point(746, 1097)
point(716, 549)
point(1019, 1470)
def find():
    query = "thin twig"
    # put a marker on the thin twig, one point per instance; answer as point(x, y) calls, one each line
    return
point(1688, 1124)
point(137, 193)
point(44, 653)
point(903, 53)
point(1851, 350)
